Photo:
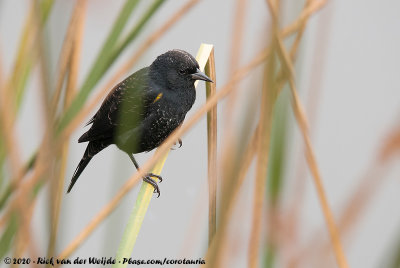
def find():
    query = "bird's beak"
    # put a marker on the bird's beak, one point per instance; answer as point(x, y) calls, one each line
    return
point(199, 75)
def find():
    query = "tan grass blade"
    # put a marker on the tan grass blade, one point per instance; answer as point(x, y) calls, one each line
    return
point(69, 62)
point(24, 201)
point(264, 133)
point(311, 105)
point(281, 76)
point(236, 49)
point(357, 202)
point(23, 57)
point(66, 51)
point(220, 252)
point(302, 121)
point(8, 131)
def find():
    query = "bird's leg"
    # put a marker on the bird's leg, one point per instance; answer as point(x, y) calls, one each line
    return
point(134, 161)
point(147, 178)
point(180, 144)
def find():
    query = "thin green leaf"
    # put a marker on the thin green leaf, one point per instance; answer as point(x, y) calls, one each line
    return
point(270, 256)
point(278, 147)
point(9, 233)
point(45, 7)
point(105, 64)
point(276, 165)
point(2, 158)
point(100, 65)
point(136, 30)
point(8, 236)
point(28, 60)
point(5, 194)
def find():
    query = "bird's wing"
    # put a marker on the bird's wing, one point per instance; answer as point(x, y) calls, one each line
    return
point(124, 108)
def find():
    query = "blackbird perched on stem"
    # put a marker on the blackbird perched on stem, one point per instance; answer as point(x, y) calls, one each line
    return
point(141, 111)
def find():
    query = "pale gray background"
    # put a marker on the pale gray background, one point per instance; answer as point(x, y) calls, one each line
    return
point(358, 103)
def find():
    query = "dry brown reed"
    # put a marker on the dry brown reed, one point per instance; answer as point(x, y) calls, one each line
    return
point(68, 70)
point(310, 156)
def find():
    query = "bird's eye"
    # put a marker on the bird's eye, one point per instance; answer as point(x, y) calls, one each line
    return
point(182, 71)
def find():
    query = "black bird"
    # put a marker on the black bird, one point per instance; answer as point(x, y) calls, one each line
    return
point(141, 111)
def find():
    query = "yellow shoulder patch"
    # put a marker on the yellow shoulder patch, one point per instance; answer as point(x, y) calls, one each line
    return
point(158, 97)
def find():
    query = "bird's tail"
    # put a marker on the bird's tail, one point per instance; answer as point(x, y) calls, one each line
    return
point(91, 150)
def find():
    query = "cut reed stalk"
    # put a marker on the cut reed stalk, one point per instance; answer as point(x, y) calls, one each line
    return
point(211, 89)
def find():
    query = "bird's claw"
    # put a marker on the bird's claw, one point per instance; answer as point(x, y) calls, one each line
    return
point(155, 175)
point(152, 182)
point(180, 144)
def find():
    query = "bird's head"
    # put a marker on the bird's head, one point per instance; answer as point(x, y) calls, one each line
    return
point(177, 69)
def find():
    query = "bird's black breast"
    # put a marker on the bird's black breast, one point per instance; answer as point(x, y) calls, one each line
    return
point(167, 114)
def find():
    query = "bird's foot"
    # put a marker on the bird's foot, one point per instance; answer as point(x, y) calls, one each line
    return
point(152, 182)
point(180, 144)
point(155, 175)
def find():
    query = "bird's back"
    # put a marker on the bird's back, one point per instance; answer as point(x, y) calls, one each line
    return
point(123, 108)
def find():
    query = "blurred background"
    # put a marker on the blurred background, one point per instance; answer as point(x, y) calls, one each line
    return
point(347, 77)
